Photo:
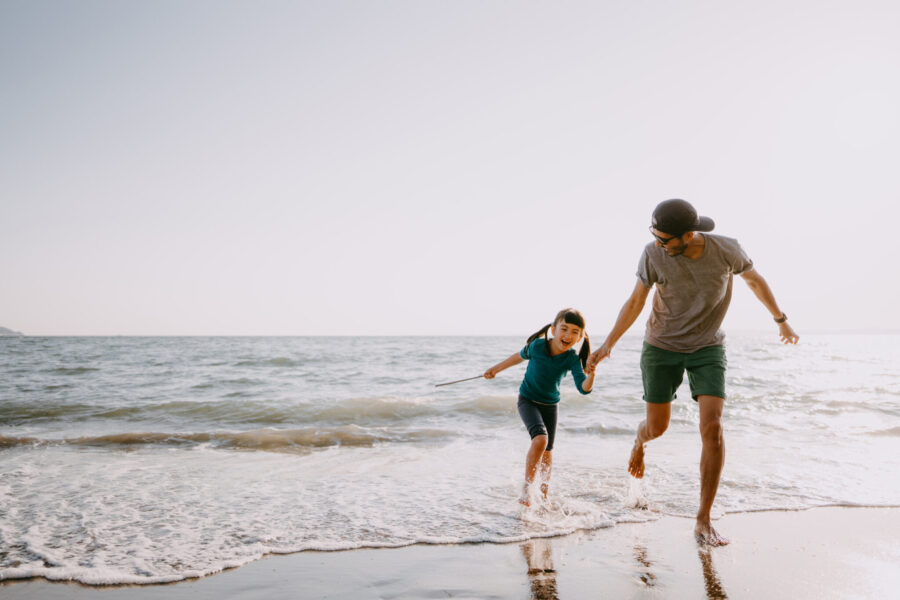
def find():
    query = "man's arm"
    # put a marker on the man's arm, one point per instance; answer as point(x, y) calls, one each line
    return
point(630, 311)
point(762, 291)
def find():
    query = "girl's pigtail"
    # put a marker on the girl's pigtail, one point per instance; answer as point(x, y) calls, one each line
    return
point(585, 351)
point(542, 332)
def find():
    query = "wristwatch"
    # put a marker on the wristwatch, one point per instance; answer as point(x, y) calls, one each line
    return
point(782, 319)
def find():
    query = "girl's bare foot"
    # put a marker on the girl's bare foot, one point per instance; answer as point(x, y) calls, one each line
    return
point(525, 498)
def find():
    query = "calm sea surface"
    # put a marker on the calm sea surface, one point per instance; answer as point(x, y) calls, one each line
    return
point(141, 460)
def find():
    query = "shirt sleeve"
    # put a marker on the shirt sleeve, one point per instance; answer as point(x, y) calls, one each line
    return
point(645, 271)
point(578, 375)
point(740, 262)
point(524, 352)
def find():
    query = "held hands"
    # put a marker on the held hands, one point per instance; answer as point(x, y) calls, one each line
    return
point(600, 354)
point(788, 336)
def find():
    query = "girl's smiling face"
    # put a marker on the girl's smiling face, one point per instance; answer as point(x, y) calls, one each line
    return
point(565, 335)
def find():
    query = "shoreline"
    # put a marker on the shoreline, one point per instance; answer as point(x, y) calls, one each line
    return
point(823, 552)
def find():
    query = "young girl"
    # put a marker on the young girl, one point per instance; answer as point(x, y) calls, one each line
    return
point(549, 360)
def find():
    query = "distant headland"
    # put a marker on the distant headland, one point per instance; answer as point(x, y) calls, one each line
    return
point(4, 332)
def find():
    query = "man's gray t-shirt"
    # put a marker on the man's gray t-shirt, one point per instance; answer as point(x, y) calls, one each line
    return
point(692, 294)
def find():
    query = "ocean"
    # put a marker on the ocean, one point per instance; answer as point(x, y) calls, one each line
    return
point(137, 460)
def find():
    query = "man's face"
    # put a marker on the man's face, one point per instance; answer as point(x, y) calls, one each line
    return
point(671, 244)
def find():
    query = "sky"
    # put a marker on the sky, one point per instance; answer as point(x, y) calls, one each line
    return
point(430, 168)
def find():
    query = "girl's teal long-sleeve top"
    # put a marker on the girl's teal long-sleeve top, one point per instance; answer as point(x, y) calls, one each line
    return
point(545, 373)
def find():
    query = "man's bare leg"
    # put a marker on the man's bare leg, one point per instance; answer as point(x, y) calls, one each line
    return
point(712, 459)
point(652, 427)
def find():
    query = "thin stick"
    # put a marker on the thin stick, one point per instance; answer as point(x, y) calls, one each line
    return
point(459, 381)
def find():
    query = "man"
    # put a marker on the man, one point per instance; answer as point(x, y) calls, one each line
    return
point(693, 273)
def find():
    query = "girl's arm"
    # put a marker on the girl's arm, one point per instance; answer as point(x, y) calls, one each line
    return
point(509, 362)
point(583, 381)
point(588, 384)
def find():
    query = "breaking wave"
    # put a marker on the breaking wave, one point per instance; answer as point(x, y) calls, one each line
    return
point(273, 440)
point(237, 409)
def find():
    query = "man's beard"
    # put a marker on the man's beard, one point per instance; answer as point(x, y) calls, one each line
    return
point(679, 250)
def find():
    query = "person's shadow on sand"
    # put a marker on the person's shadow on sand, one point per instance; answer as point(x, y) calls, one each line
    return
point(539, 556)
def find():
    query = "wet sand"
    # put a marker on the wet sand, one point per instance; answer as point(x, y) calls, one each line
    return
point(821, 553)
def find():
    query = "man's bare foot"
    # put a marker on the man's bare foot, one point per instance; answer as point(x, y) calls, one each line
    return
point(636, 463)
point(706, 535)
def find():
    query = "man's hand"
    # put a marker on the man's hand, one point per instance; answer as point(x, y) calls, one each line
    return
point(490, 373)
point(600, 354)
point(787, 333)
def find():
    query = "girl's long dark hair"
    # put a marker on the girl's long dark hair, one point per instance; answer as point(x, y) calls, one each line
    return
point(572, 317)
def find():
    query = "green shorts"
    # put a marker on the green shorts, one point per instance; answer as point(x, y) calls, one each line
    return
point(663, 371)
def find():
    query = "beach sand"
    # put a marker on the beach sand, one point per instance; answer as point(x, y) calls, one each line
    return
point(820, 553)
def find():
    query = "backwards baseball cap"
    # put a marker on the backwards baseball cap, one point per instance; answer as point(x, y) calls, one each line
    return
point(677, 217)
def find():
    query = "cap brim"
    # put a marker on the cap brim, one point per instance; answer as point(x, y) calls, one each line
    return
point(705, 224)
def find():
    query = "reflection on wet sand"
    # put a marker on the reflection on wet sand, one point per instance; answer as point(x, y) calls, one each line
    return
point(645, 574)
point(539, 556)
point(714, 589)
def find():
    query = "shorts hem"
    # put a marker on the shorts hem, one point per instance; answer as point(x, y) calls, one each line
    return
point(669, 401)
point(716, 393)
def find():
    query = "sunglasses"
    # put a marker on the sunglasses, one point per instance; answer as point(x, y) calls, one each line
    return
point(662, 241)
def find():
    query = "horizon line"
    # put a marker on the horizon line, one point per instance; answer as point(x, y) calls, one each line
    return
point(868, 331)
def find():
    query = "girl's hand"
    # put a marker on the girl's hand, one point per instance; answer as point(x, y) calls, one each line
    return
point(512, 360)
